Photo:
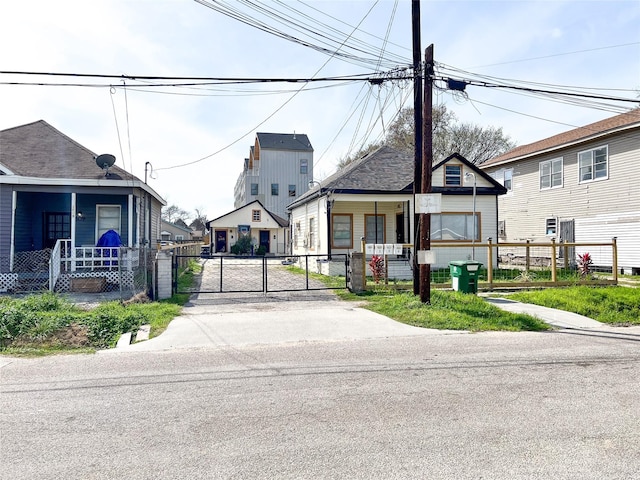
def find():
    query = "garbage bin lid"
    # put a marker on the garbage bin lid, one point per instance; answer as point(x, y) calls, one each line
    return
point(460, 263)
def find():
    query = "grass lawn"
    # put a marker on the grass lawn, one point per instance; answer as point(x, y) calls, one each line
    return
point(613, 305)
point(447, 311)
point(47, 323)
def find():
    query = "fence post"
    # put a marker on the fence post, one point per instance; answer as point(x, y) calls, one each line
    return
point(565, 254)
point(490, 262)
point(614, 259)
point(163, 259)
point(527, 258)
point(554, 276)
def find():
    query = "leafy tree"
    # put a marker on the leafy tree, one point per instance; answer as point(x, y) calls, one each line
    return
point(477, 144)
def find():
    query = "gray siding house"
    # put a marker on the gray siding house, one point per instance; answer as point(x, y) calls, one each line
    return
point(578, 186)
point(278, 171)
point(53, 195)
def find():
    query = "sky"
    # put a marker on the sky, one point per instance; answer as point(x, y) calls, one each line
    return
point(191, 141)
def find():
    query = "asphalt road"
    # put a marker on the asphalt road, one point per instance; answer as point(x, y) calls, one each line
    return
point(561, 405)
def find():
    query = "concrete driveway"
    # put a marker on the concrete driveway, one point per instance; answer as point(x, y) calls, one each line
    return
point(216, 320)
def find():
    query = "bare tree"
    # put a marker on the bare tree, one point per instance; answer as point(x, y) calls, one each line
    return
point(477, 144)
point(173, 213)
point(200, 221)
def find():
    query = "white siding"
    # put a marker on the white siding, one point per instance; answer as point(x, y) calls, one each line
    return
point(526, 207)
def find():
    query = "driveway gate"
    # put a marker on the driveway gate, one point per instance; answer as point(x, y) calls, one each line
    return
point(235, 274)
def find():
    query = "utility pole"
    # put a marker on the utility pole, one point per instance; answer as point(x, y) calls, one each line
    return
point(417, 119)
point(427, 166)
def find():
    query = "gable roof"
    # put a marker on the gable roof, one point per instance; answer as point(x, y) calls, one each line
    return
point(279, 220)
point(589, 132)
point(387, 171)
point(39, 150)
point(284, 141)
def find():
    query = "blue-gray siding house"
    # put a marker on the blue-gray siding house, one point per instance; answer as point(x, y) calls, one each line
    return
point(54, 195)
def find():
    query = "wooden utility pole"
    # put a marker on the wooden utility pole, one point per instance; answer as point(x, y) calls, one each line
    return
point(427, 166)
point(417, 119)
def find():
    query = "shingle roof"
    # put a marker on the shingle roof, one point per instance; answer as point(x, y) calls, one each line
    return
point(384, 170)
point(284, 141)
point(629, 119)
point(39, 150)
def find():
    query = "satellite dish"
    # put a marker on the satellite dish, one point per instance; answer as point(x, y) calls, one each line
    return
point(105, 161)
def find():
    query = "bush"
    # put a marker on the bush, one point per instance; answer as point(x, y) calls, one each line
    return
point(242, 246)
point(110, 320)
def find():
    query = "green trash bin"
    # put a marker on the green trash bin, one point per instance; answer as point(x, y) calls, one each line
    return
point(464, 275)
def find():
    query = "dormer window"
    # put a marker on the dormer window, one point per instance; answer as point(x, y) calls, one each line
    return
point(452, 175)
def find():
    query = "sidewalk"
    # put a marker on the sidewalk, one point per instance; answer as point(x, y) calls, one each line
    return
point(557, 318)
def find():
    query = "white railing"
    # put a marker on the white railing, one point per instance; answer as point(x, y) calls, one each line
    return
point(83, 259)
point(55, 265)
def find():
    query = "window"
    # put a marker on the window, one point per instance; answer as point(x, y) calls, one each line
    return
point(57, 225)
point(551, 173)
point(593, 164)
point(304, 166)
point(179, 238)
point(551, 226)
point(341, 231)
point(374, 229)
point(508, 179)
point(452, 175)
point(255, 215)
point(292, 190)
point(312, 233)
point(108, 219)
point(454, 226)
point(502, 229)
point(275, 189)
point(254, 189)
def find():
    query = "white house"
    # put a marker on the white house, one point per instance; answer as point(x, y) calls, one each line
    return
point(578, 186)
point(372, 199)
point(265, 229)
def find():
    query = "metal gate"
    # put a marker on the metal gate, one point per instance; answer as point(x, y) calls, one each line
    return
point(245, 274)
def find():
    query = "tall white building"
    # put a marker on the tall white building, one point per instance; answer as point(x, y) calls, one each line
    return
point(278, 170)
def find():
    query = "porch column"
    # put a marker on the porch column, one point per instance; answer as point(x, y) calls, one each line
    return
point(74, 212)
point(130, 236)
point(14, 205)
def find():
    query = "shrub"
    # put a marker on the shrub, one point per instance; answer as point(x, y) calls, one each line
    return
point(242, 246)
point(376, 264)
point(584, 264)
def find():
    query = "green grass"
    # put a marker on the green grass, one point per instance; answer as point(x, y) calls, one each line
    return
point(448, 311)
point(612, 305)
point(47, 324)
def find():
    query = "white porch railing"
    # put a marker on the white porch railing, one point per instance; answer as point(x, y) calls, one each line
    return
point(91, 261)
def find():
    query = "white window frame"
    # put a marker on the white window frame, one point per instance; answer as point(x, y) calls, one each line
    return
point(583, 160)
point(551, 227)
point(551, 163)
point(507, 173)
point(99, 217)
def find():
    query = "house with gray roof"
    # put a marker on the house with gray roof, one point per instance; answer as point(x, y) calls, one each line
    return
point(372, 199)
point(57, 202)
point(577, 186)
point(277, 171)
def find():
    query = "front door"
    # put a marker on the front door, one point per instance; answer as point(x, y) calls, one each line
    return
point(57, 225)
point(264, 240)
point(221, 241)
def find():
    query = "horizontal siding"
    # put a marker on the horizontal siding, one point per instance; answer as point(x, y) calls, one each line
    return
point(602, 228)
point(526, 208)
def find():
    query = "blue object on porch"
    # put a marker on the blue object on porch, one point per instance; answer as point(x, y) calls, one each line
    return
point(110, 238)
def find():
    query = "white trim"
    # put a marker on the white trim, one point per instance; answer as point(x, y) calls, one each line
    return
point(119, 229)
point(593, 170)
point(71, 182)
point(14, 204)
point(130, 221)
point(550, 162)
point(6, 170)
